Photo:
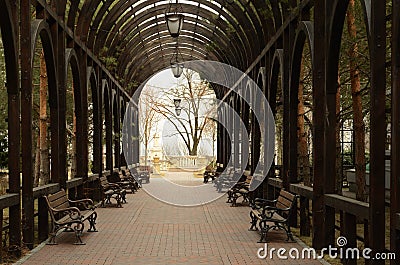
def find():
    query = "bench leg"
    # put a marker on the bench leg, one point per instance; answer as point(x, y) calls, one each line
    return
point(123, 197)
point(253, 222)
point(78, 232)
point(235, 196)
point(92, 222)
point(54, 231)
point(52, 235)
point(118, 198)
point(263, 231)
point(229, 196)
point(288, 233)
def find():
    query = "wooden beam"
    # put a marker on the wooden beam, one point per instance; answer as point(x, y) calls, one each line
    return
point(349, 205)
point(277, 183)
point(45, 190)
point(9, 200)
point(75, 182)
point(302, 190)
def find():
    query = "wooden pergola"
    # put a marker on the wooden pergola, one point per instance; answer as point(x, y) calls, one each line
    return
point(263, 38)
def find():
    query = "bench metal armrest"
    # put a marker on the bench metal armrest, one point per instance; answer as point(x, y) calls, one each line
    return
point(268, 211)
point(87, 204)
point(73, 212)
point(113, 186)
point(259, 203)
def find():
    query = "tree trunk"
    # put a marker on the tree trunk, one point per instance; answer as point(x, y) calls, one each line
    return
point(73, 151)
point(36, 168)
point(195, 146)
point(358, 122)
point(304, 162)
point(44, 151)
point(146, 152)
point(339, 169)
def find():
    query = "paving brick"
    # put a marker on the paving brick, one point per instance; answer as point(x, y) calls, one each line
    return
point(147, 231)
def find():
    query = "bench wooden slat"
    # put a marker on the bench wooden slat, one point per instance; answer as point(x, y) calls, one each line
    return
point(57, 195)
point(60, 203)
point(283, 203)
point(289, 196)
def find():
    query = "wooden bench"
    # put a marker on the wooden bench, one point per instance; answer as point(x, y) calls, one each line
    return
point(144, 176)
point(278, 212)
point(240, 189)
point(70, 215)
point(226, 179)
point(120, 179)
point(209, 174)
point(111, 191)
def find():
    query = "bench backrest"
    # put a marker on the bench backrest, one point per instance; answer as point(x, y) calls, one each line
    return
point(58, 200)
point(104, 182)
point(286, 200)
point(248, 179)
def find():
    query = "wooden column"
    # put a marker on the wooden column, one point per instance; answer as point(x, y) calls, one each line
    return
point(117, 133)
point(14, 127)
point(26, 123)
point(331, 85)
point(82, 120)
point(108, 123)
point(395, 146)
point(97, 126)
point(319, 122)
point(292, 105)
point(60, 154)
point(350, 231)
point(236, 134)
point(378, 128)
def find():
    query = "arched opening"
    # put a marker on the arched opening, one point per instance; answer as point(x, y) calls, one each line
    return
point(95, 120)
point(107, 127)
point(276, 103)
point(178, 136)
point(116, 128)
point(91, 116)
point(73, 114)
point(44, 105)
point(353, 101)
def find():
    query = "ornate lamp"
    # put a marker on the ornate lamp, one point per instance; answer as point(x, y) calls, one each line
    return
point(177, 103)
point(176, 66)
point(177, 69)
point(174, 19)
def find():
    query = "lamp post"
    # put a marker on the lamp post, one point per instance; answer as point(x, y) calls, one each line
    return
point(174, 19)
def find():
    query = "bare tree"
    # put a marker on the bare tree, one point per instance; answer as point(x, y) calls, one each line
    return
point(149, 119)
point(359, 125)
point(197, 99)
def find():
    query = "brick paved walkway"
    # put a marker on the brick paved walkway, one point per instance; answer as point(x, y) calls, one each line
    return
point(147, 231)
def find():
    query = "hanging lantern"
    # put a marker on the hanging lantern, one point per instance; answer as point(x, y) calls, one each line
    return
point(174, 19)
point(177, 69)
